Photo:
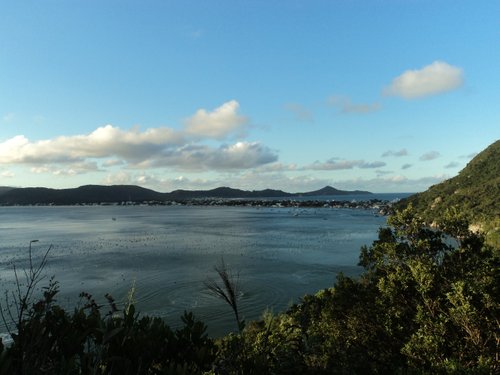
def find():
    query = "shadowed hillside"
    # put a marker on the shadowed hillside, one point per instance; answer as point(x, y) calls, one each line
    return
point(90, 194)
point(474, 193)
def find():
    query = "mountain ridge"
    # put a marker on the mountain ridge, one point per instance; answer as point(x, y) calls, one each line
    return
point(90, 194)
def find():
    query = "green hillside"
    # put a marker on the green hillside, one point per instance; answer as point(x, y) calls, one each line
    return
point(474, 193)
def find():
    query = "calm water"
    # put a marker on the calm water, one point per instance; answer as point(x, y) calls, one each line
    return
point(168, 252)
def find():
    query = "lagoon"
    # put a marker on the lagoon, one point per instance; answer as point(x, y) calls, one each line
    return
point(168, 252)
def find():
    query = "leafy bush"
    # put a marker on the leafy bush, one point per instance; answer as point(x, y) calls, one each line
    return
point(426, 303)
point(50, 340)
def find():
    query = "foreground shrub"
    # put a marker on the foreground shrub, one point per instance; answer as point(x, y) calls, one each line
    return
point(50, 340)
point(427, 302)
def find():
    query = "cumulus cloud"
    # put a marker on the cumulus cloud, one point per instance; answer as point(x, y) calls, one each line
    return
point(277, 167)
point(76, 168)
point(103, 142)
point(241, 155)
point(335, 164)
point(111, 146)
point(432, 79)
point(345, 105)
point(401, 152)
point(112, 162)
point(118, 178)
point(40, 169)
point(218, 124)
point(71, 169)
point(300, 112)
point(406, 166)
point(431, 155)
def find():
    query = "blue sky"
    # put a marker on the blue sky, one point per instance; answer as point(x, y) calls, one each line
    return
point(386, 96)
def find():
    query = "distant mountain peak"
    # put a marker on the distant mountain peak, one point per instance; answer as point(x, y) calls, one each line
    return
point(329, 190)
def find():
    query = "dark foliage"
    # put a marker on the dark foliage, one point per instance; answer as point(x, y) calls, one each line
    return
point(50, 340)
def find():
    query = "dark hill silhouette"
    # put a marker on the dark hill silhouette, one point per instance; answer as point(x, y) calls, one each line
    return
point(4, 189)
point(99, 194)
point(328, 190)
point(84, 194)
point(227, 192)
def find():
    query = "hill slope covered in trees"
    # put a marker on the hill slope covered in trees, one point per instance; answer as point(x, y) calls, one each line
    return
point(473, 193)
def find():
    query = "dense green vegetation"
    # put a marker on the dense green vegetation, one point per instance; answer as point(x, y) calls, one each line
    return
point(474, 192)
point(427, 302)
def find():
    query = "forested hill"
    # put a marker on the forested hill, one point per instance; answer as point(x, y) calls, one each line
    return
point(84, 194)
point(474, 192)
point(90, 194)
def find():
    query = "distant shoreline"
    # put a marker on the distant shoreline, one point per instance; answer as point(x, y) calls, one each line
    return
point(382, 207)
point(131, 194)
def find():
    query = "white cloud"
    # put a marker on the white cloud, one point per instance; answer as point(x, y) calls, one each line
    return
point(112, 162)
point(431, 155)
point(276, 167)
point(432, 79)
point(333, 164)
point(401, 152)
point(345, 105)
point(118, 178)
point(7, 174)
point(103, 142)
point(68, 169)
point(241, 155)
point(75, 169)
point(244, 155)
point(40, 169)
point(218, 124)
point(155, 147)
